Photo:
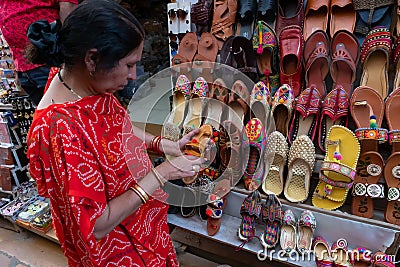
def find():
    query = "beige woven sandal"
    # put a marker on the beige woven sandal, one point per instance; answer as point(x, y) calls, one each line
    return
point(301, 163)
point(277, 150)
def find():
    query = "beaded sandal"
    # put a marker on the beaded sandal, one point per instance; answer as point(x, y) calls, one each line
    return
point(338, 169)
point(367, 110)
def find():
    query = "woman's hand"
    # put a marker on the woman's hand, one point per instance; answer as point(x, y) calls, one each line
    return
point(175, 148)
point(180, 167)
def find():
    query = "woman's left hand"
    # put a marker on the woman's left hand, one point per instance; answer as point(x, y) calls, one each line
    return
point(176, 148)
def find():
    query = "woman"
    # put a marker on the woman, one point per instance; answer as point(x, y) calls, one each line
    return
point(83, 153)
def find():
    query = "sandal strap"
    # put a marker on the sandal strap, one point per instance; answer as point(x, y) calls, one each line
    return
point(213, 212)
point(330, 182)
point(394, 136)
point(378, 134)
point(368, 190)
point(341, 169)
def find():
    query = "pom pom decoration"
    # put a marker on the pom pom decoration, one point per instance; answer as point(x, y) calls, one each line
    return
point(372, 122)
point(337, 155)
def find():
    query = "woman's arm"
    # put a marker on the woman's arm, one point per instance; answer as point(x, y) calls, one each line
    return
point(122, 206)
point(167, 146)
point(125, 204)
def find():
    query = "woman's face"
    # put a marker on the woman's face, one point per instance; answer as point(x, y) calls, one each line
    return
point(117, 78)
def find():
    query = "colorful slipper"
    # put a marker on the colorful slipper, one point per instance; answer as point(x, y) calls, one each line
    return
point(260, 102)
point(173, 125)
point(338, 169)
point(255, 140)
point(288, 233)
point(250, 210)
point(300, 165)
point(272, 215)
point(196, 109)
point(367, 109)
point(282, 107)
point(335, 110)
point(305, 231)
point(322, 252)
point(265, 45)
point(277, 149)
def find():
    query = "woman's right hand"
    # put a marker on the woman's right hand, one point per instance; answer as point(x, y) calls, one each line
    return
point(180, 167)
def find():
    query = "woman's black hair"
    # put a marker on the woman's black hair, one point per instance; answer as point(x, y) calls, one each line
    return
point(100, 24)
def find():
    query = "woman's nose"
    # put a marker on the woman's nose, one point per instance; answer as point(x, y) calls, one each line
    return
point(132, 73)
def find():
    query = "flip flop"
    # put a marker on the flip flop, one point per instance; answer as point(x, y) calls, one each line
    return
point(338, 169)
point(186, 52)
point(392, 169)
point(367, 109)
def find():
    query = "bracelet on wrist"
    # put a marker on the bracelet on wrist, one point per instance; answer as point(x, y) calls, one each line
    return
point(144, 197)
point(160, 179)
point(155, 144)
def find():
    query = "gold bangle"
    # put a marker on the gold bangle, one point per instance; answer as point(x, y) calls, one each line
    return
point(140, 192)
point(158, 177)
